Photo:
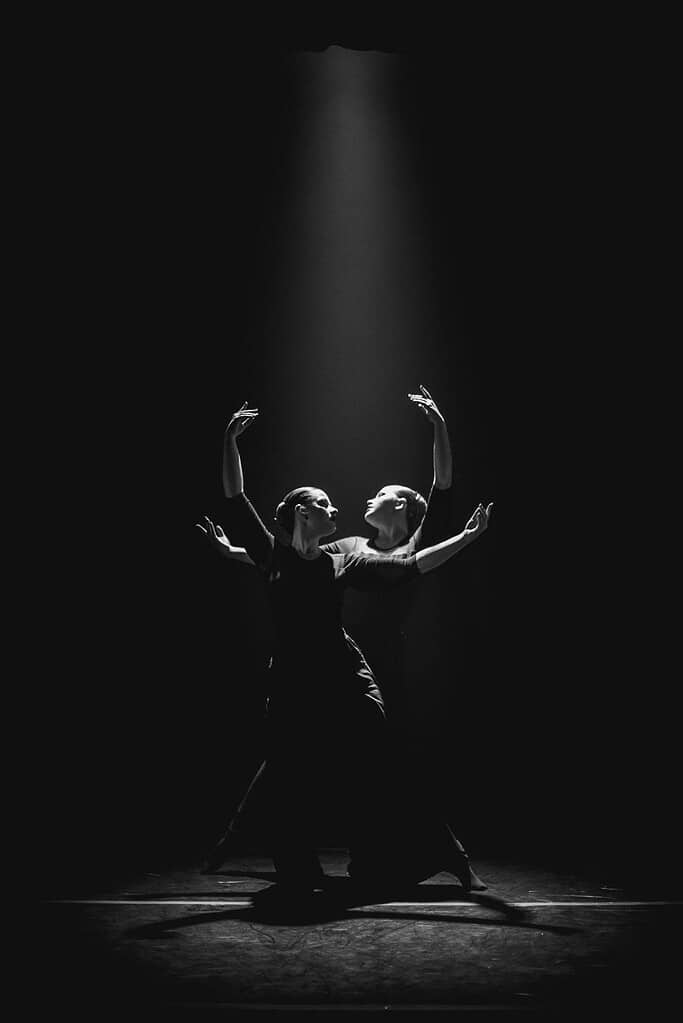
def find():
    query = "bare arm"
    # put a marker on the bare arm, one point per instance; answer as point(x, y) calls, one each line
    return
point(443, 459)
point(431, 557)
point(442, 455)
point(233, 478)
point(259, 542)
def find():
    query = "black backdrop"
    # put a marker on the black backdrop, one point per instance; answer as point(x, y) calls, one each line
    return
point(541, 697)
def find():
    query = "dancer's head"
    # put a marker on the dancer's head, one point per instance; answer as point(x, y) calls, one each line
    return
point(396, 506)
point(308, 511)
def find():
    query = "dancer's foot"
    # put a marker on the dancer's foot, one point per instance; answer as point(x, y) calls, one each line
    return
point(476, 883)
point(218, 855)
point(466, 876)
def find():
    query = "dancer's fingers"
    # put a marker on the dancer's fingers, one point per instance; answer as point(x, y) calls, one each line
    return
point(426, 392)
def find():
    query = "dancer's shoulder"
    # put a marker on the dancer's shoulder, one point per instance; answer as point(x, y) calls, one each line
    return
point(347, 545)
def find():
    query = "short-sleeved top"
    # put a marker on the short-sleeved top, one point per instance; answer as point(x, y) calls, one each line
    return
point(379, 619)
point(313, 655)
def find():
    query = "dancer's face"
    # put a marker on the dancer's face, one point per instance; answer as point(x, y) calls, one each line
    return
point(384, 509)
point(320, 514)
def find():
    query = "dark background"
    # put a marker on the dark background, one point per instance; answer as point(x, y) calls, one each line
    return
point(169, 246)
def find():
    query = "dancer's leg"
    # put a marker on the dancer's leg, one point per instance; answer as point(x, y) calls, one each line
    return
point(400, 837)
point(252, 804)
point(452, 858)
point(292, 824)
point(367, 781)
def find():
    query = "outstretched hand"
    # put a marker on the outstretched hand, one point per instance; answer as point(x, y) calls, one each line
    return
point(240, 420)
point(425, 402)
point(216, 536)
point(479, 521)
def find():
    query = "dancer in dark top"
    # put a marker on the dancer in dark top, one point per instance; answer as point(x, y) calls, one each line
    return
point(403, 522)
point(325, 710)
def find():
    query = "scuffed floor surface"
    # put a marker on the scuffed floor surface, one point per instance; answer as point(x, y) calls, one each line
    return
point(537, 944)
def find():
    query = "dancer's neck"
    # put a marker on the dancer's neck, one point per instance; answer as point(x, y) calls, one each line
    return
point(386, 539)
point(306, 547)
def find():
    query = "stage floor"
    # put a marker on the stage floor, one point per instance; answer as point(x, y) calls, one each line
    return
point(538, 943)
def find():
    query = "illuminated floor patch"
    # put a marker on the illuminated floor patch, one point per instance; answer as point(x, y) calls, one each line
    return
point(583, 904)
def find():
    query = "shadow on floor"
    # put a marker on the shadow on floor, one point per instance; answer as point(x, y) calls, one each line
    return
point(343, 900)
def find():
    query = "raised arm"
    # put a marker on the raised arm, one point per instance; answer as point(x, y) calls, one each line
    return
point(431, 557)
point(233, 478)
point(243, 519)
point(442, 455)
